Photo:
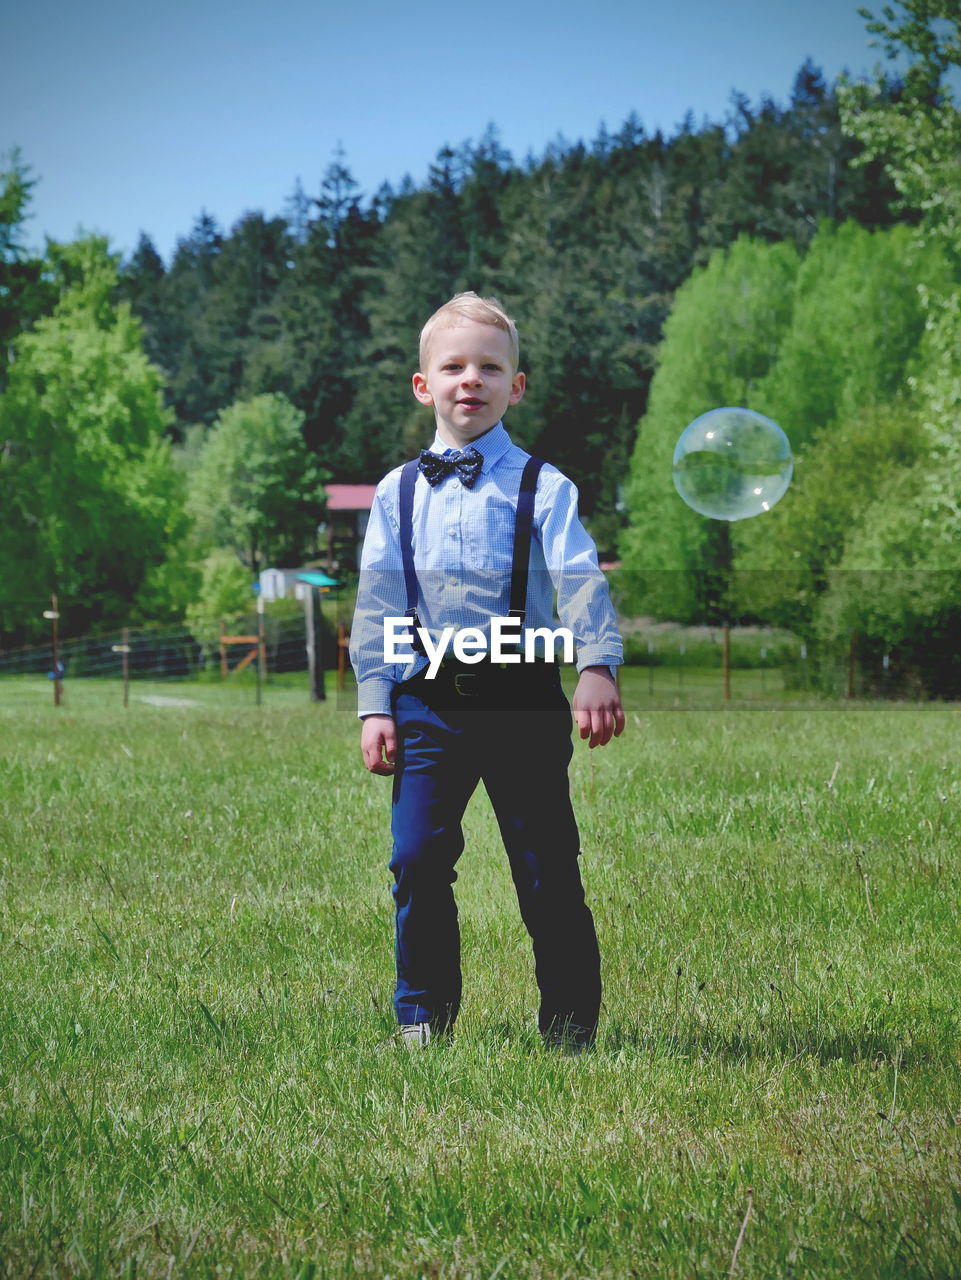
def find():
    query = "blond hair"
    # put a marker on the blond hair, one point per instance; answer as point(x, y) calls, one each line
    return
point(468, 306)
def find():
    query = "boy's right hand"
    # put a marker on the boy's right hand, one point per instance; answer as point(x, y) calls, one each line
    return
point(378, 743)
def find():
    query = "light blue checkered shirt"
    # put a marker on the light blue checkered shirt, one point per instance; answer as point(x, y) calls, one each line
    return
point(462, 543)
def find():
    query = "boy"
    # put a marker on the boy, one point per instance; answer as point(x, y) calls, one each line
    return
point(453, 542)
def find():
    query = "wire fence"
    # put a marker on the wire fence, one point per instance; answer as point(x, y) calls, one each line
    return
point(163, 653)
point(758, 661)
point(681, 666)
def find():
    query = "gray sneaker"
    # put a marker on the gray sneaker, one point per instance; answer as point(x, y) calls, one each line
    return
point(415, 1035)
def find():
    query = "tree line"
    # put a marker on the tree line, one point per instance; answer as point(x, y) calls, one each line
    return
point(586, 245)
point(307, 324)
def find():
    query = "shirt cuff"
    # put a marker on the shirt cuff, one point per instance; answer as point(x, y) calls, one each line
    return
point(373, 696)
point(596, 656)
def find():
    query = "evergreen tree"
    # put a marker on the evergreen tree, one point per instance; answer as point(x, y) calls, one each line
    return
point(339, 198)
point(25, 294)
point(789, 169)
point(191, 352)
point(142, 285)
point(321, 317)
point(482, 200)
point(417, 264)
point(241, 316)
point(298, 213)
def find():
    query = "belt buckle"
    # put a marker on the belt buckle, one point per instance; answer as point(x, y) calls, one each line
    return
point(463, 685)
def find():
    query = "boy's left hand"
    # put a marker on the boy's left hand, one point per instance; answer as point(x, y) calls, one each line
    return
point(597, 706)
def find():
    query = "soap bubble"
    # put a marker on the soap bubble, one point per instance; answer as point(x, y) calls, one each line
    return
point(732, 463)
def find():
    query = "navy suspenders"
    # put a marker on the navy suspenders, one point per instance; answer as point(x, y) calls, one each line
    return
point(523, 524)
point(408, 478)
point(520, 559)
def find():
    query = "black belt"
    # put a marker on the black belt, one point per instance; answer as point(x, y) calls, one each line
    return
point(487, 683)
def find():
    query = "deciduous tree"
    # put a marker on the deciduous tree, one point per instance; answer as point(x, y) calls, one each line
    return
point(255, 489)
point(91, 501)
point(721, 338)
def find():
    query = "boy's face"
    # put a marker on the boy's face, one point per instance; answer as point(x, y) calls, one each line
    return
point(469, 380)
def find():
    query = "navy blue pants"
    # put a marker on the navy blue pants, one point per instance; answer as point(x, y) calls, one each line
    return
point(521, 755)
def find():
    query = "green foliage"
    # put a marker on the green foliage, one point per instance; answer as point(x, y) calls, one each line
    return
point(839, 388)
point(918, 135)
point(785, 559)
point(847, 368)
point(255, 489)
point(856, 322)
point(721, 338)
point(225, 594)
point(14, 200)
point(170, 586)
point(901, 582)
point(91, 502)
point(923, 529)
point(902, 565)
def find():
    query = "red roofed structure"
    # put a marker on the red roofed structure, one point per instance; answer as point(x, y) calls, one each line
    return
point(348, 508)
point(350, 497)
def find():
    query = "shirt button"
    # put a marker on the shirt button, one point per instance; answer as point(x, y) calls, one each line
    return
point(452, 531)
point(452, 582)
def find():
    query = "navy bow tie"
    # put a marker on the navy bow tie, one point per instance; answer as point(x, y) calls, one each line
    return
point(466, 462)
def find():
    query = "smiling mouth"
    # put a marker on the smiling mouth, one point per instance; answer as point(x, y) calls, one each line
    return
point(471, 402)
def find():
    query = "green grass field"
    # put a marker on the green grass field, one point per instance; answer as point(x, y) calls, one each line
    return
point(196, 978)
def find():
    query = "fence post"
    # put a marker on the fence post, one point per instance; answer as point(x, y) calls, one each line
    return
point(726, 659)
point(123, 648)
point(261, 655)
point(314, 664)
point(342, 643)
point(223, 651)
point(53, 614)
point(125, 654)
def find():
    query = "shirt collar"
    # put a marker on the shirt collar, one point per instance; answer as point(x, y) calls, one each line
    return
point(492, 444)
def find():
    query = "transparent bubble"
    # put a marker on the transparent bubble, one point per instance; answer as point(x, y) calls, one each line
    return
point(732, 463)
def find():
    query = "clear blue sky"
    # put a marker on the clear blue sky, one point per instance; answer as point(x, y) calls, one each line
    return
point(135, 117)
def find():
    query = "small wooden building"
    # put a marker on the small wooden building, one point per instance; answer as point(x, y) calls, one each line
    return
point(348, 510)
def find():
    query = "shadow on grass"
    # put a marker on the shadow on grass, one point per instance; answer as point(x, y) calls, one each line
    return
point(786, 1042)
point(934, 1047)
